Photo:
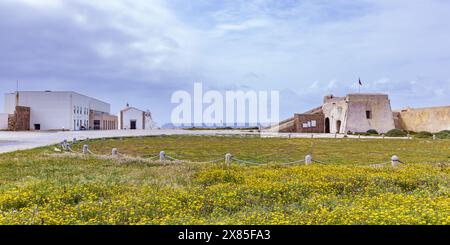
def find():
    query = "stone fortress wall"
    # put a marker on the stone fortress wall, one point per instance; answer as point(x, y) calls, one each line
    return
point(431, 119)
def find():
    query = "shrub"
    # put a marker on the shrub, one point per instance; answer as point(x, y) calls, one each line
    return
point(424, 135)
point(444, 134)
point(396, 133)
point(372, 131)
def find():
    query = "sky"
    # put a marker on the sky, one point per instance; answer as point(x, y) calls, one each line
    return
point(140, 52)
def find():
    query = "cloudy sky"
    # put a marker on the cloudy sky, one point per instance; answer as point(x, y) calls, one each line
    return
point(141, 51)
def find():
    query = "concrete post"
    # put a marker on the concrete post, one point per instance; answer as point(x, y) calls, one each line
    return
point(114, 152)
point(434, 137)
point(228, 159)
point(162, 156)
point(395, 161)
point(308, 159)
point(74, 140)
point(85, 149)
point(64, 145)
point(383, 136)
point(312, 136)
point(335, 135)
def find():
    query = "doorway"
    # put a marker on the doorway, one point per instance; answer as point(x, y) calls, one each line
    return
point(327, 125)
point(37, 126)
point(96, 124)
point(338, 126)
point(132, 124)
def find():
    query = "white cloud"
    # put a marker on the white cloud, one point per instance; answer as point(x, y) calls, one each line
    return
point(246, 25)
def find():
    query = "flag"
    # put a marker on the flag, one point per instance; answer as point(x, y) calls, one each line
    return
point(360, 83)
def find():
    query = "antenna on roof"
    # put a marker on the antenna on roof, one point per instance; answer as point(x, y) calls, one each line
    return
point(17, 92)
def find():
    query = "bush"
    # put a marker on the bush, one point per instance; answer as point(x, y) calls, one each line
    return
point(424, 135)
point(396, 133)
point(444, 134)
point(372, 131)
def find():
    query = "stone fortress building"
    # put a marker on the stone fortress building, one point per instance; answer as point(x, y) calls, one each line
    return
point(364, 111)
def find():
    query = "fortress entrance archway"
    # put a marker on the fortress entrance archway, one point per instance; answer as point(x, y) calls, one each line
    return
point(338, 126)
point(327, 125)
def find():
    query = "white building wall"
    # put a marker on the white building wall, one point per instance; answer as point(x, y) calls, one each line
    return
point(132, 114)
point(336, 110)
point(98, 105)
point(149, 124)
point(79, 105)
point(56, 110)
point(3, 121)
point(49, 109)
point(379, 105)
point(10, 103)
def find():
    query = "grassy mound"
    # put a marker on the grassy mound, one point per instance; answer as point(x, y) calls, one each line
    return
point(372, 132)
point(424, 135)
point(396, 133)
point(445, 134)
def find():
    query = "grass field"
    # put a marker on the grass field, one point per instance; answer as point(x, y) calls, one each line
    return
point(43, 187)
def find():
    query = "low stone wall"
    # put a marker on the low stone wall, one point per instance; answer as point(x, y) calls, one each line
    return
point(433, 119)
point(286, 126)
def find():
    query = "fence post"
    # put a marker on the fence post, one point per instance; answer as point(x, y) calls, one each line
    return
point(162, 156)
point(114, 152)
point(228, 159)
point(395, 161)
point(85, 149)
point(308, 159)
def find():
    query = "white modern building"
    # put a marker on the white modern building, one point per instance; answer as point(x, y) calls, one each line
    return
point(133, 118)
point(57, 110)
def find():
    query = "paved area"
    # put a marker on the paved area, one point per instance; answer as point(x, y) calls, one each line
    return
point(13, 141)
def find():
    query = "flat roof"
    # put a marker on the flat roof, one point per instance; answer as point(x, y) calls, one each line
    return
point(50, 91)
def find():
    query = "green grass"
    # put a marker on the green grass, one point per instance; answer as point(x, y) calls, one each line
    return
point(338, 151)
point(43, 187)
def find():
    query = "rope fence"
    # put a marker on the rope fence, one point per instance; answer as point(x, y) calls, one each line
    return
point(228, 159)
